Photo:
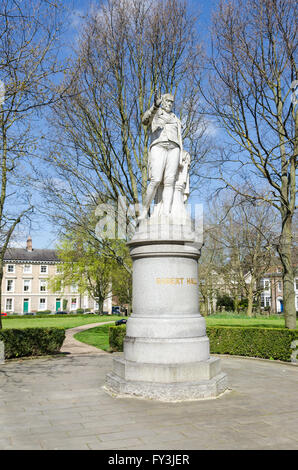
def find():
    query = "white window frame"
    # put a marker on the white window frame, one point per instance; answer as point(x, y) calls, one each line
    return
point(43, 283)
point(265, 300)
point(45, 304)
point(27, 281)
point(12, 305)
point(12, 284)
point(279, 286)
point(266, 281)
point(27, 266)
point(13, 269)
point(44, 266)
point(74, 288)
point(71, 303)
point(296, 283)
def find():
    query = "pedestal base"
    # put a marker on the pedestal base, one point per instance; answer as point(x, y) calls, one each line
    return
point(166, 350)
point(167, 382)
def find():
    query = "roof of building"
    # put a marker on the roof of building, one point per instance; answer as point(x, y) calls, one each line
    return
point(30, 255)
point(38, 255)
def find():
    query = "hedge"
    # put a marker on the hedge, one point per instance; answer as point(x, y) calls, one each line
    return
point(31, 341)
point(116, 337)
point(266, 343)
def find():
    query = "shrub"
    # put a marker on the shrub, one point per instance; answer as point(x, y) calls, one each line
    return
point(31, 341)
point(243, 304)
point(43, 312)
point(116, 337)
point(225, 301)
point(80, 310)
point(265, 343)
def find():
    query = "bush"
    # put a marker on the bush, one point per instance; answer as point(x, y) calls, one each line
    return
point(79, 310)
point(225, 301)
point(265, 343)
point(116, 337)
point(243, 304)
point(31, 341)
point(43, 312)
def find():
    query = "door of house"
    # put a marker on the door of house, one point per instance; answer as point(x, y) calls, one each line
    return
point(26, 306)
point(58, 304)
point(280, 306)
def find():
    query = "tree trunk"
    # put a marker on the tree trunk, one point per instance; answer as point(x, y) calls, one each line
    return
point(100, 306)
point(236, 303)
point(1, 278)
point(285, 254)
point(250, 298)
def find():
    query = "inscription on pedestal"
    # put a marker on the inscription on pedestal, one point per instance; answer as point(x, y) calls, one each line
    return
point(177, 281)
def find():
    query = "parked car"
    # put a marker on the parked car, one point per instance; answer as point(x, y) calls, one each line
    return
point(121, 322)
point(61, 313)
point(3, 314)
point(29, 313)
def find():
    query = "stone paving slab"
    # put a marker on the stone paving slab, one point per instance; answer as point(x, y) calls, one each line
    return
point(59, 403)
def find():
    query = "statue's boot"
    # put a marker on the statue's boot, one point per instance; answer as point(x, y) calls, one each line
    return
point(151, 190)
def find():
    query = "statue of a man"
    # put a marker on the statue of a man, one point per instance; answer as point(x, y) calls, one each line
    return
point(165, 153)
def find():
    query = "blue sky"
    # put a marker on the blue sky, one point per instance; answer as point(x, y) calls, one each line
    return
point(42, 230)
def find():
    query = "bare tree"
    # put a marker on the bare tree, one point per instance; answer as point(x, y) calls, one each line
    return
point(28, 33)
point(128, 50)
point(239, 239)
point(254, 66)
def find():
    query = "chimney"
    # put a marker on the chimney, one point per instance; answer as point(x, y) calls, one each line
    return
point(29, 243)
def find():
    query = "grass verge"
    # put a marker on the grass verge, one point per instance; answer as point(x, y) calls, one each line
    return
point(98, 337)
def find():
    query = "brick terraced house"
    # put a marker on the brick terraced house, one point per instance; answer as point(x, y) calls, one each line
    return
point(272, 291)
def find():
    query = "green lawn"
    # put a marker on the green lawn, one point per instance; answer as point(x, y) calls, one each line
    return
point(260, 321)
point(98, 337)
point(58, 321)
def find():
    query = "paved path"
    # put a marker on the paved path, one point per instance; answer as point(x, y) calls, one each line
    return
point(73, 346)
point(60, 403)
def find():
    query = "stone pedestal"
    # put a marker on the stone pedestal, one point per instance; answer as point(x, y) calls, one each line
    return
point(166, 350)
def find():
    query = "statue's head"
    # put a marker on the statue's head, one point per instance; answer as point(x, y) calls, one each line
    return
point(167, 101)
